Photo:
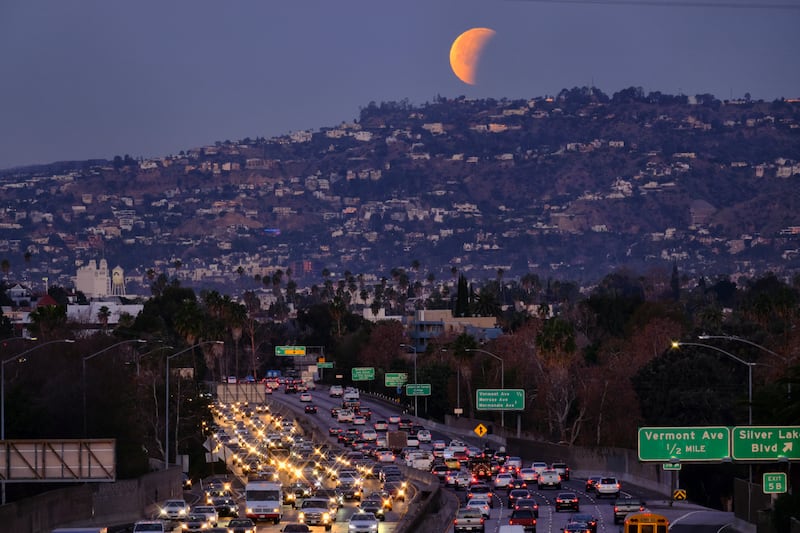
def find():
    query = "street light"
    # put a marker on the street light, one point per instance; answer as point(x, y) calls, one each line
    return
point(413, 347)
point(3, 364)
point(140, 357)
point(502, 377)
point(166, 400)
point(751, 343)
point(83, 372)
point(750, 365)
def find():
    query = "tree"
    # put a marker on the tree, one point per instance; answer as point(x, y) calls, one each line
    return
point(103, 314)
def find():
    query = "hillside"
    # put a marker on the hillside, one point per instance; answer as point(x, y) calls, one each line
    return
point(569, 187)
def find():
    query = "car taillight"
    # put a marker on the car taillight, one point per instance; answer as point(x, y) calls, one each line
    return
point(616, 509)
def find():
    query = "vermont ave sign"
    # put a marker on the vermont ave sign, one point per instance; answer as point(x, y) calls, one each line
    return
point(668, 444)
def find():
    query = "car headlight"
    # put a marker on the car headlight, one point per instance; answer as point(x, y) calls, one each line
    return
point(301, 517)
point(249, 511)
point(326, 517)
point(163, 512)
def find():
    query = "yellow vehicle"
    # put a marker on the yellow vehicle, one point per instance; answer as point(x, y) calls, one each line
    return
point(645, 522)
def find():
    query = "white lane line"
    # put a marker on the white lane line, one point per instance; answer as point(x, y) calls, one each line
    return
point(682, 517)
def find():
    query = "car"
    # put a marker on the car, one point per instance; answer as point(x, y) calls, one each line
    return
point(394, 419)
point(480, 503)
point(194, 523)
point(335, 431)
point(591, 481)
point(381, 425)
point(208, 511)
point(469, 520)
point(586, 520)
point(366, 412)
point(295, 528)
point(241, 525)
point(607, 487)
point(527, 503)
point(549, 478)
point(174, 510)
point(375, 507)
point(149, 526)
point(396, 489)
point(481, 489)
point(502, 481)
point(517, 483)
point(361, 522)
point(458, 479)
point(568, 501)
point(318, 511)
point(562, 469)
point(539, 467)
point(305, 397)
point(223, 502)
point(310, 409)
point(359, 420)
point(369, 434)
point(524, 518)
point(336, 391)
point(385, 456)
point(405, 424)
point(423, 435)
point(527, 474)
point(576, 527)
point(518, 494)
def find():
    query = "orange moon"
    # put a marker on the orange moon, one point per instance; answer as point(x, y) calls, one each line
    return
point(465, 53)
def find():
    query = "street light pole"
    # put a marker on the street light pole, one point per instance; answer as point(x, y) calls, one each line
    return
point(83, 372)
point(502, 378)
point(3, 364)
point(166, 400)
point(751, 343)
point(750, 365)
point(414, 347)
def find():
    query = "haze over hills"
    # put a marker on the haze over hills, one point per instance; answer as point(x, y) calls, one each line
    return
point(570, 187)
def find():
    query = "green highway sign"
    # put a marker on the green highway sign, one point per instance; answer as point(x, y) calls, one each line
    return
point(766, 443)
point(500, 399)
point(290, 350)
point(671, 466)
point(667, 444)
point(418, 389)
point(325, 365)
point(363, 373)
point(395, 379)
point(774, 482)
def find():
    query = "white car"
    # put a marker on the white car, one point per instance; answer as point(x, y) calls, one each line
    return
point(480, 503)
point(362, 522)
point(336, 391)
point(369, 434)
point(539, 467)
point(209, 511)
point(527, 474)
point(607, 486)
point(423, 435)
point(386, 456)
point(305, 397)
point(381, 425)
point(359, 420)
point(394, 419)
point(503, 480)
point(174, 509)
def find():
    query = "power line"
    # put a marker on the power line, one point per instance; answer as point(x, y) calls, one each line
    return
point(675, 3)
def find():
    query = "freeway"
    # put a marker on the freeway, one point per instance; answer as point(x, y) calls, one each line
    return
point(685, 517)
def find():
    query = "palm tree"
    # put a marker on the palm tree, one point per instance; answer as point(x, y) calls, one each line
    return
point(102, 316)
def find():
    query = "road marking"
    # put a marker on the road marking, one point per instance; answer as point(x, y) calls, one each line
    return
point(682, 517)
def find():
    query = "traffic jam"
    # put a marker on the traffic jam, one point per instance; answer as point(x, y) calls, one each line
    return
point(279, 478)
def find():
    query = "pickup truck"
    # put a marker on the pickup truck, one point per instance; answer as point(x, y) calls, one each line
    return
point(524, 518)
point(624, 506)
point(468, 520)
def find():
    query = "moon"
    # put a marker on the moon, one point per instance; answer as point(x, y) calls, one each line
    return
point(465, 53)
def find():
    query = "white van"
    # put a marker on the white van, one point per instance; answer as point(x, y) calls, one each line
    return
point(511, 529)
point(263, 501)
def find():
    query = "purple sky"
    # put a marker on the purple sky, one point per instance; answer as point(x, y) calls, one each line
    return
point(95, 79)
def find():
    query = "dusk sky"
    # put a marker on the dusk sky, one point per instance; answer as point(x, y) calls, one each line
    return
point(95, 79)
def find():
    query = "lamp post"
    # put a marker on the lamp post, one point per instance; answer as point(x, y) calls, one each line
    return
point(413, 347)
point(748, 364)
point(83, 372)
point(166, 399)
point(139, 357)
point(502, 377)
point(751, 343)
point(3, 364)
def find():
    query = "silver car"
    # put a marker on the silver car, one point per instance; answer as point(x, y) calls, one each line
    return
point(363, 523)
